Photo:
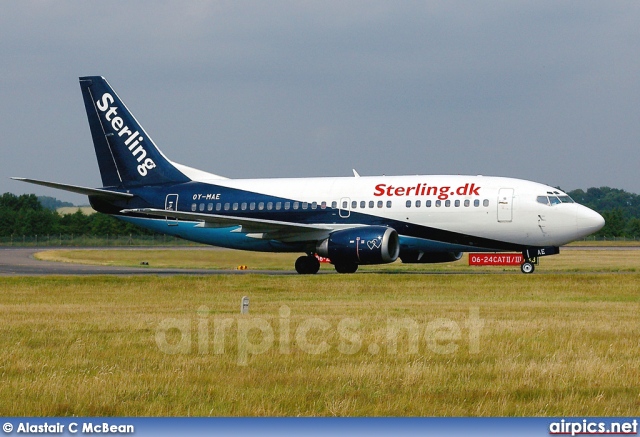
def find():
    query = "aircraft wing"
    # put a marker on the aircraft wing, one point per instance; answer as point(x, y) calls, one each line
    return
point(77, 189)
point(256, 228)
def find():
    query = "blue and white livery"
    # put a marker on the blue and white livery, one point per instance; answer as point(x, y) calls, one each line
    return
point(350, 220)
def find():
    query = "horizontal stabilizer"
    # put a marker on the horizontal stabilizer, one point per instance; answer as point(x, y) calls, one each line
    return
point(80, 190)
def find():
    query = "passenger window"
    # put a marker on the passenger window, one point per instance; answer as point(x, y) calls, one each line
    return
point(227, 206)
point(334, 204)
point(194, 207)
point(287, 206)
point(418, 203)
point(261, 206)
point(467, 203)
point(201, 207)
point(243, 206)
point(476, 203)
point(447, 203)
point(323, 205)
point(408, 205)
point(269, 206)
point(388, 204)
point(278, 205)
point(218, 206)
point(210, 207)
point(344, 204)
point(314, 205)
point(379, 203)
point(354, 204)
point(427, 204)
point(485, 202)
point(235, 206)
point(296, 205)
point(252, 206)
point(456, 203)
point(363, 204)
point(371, 204)
point(438, 203)
point(305, 205)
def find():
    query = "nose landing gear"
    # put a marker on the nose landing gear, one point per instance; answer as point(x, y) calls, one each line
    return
point(529, 265)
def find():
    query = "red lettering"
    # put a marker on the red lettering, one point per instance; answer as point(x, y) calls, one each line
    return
point(423, 189)
point(444, 193)
point(379, 190)
point(462, 191)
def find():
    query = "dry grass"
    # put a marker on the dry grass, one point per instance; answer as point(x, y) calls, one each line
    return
point(587, 260)
point(554, 344)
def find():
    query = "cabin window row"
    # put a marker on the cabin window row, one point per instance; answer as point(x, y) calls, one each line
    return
point(261, 206)
point(278, 206)
point(447, 203)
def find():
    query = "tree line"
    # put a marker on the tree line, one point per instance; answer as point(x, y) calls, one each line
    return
point(25, 215)
point(29, 215)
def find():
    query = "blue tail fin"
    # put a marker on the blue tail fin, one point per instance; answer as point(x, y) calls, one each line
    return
point(127, 156)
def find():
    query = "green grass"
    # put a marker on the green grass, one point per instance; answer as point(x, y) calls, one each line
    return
point(557, 344)
point(206, 258)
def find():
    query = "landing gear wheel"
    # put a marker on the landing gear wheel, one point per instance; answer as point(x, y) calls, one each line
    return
point(307, 265)
point(527, 267)
point(346, 267)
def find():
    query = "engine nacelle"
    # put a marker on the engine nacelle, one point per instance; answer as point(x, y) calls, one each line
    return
point(430, 257)
point(363, 245)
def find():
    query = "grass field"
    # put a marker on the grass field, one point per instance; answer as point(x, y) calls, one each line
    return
point(573, 260)
point(380, 344)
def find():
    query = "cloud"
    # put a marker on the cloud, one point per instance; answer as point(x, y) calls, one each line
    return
point(541, 90)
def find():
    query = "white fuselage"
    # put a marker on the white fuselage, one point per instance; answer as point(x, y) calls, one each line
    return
point(496, 208)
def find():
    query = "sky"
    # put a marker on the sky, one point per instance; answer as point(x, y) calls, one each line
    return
point(547, 91)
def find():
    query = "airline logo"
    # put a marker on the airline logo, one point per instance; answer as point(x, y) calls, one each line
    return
point(133, 139)
point(443, 193)
point(374, 244)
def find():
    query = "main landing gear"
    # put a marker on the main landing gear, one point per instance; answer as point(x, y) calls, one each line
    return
point(529, 265)
point(346, 267)
point(307, 265)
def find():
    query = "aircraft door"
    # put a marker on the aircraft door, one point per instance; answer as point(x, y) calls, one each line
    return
point(345, 207)
point(505, 205)
point(171, 204)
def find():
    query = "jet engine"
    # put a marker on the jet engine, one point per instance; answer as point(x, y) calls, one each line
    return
point(362, 245)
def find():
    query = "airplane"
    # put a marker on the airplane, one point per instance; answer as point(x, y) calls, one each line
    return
point(352, 221)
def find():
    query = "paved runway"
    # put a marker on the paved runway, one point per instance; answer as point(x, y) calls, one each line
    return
point(20, 262)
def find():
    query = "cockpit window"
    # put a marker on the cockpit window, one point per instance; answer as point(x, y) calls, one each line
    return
point(554, 200)
point(543, 199)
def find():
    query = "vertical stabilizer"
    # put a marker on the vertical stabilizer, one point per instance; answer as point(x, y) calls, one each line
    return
point(126, 155)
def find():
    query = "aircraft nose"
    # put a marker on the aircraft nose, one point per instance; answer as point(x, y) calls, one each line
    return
point(588, 221)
